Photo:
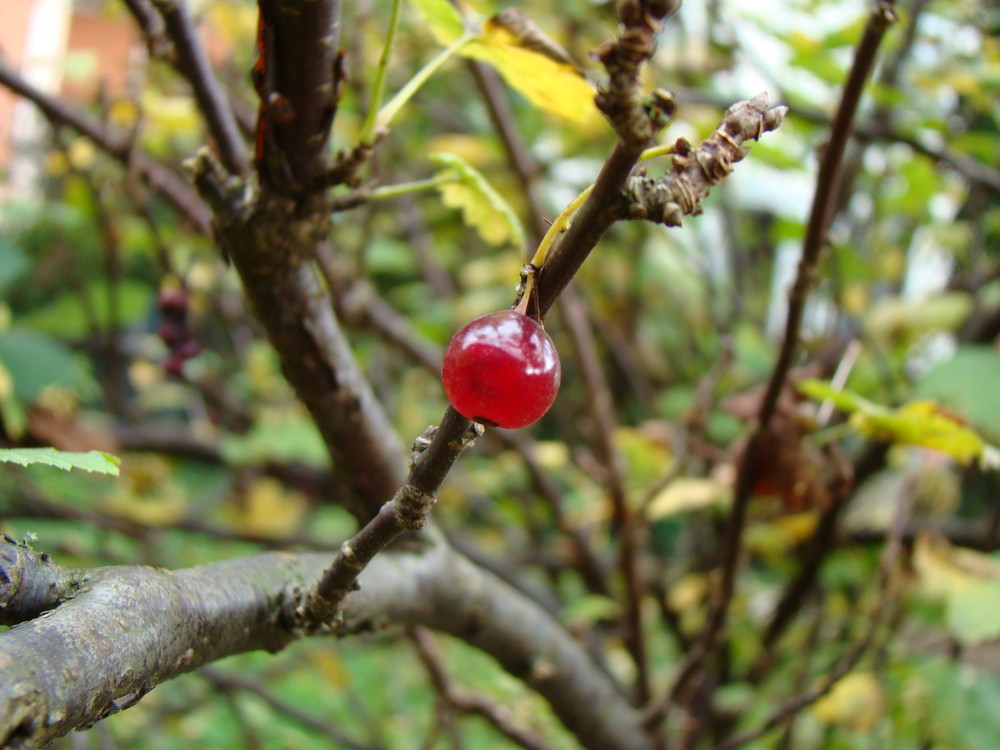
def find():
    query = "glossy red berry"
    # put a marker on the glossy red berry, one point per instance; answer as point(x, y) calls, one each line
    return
point(501, 369)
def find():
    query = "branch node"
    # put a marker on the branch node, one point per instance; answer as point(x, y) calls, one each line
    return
point(413, 506)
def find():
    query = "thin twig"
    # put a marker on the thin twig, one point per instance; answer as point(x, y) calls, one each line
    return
point(826, 192)
point(212, 101)
point(232, 681)
point(407, 510)
point(967, 166)
point(466, 701)
point(623, 519)
point(886, 601)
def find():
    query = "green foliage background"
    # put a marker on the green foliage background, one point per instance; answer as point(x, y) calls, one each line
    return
point(81, 270)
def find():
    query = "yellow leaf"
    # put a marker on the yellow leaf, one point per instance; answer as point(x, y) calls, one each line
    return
point(331, 666)
point(968, 583)
point(6, 383)
point(647, 456)
point(856, 702)
point(551, 85)
point(145, 494)
point(123, 113)
point(690, 591)
point(472, 149)
point(798, 527)
point(481, 205)
point(171, 113)
point(552, 455)
point(687, 494)
point(269, 510)
point(56, 163)
point(921, 423)
point(235, 23)
point(81, 153)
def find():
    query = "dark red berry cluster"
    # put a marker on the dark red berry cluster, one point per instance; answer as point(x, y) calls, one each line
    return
point(175, 330)
point(501, 369)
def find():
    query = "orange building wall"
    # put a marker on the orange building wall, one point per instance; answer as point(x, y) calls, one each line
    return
point(109, 41)
point(14, 16)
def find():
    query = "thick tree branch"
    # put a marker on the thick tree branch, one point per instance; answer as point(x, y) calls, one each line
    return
point(119, 631)
point(272, 242)
point(298, 80)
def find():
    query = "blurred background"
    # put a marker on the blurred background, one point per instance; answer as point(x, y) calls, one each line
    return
point(122, 329)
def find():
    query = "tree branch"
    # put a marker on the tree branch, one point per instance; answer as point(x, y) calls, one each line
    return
point(119, 631)
point(212, 101)
point(271, 242)
point(466, 701)
point(298, 80)
point(827, 181)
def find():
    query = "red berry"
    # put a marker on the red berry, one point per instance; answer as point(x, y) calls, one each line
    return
point(501, 369)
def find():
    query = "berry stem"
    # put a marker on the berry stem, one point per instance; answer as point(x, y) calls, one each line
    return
point(529, 287)
point(561, 224)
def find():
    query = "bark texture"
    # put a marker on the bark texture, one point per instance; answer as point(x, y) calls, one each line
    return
point(101, 638)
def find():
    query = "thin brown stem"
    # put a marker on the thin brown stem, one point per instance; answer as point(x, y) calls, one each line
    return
point(825, 195)
point(465, 701)
point(212, 101)
point(623, 519)
point(232, 681)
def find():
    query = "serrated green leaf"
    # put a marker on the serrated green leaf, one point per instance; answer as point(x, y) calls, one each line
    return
point(482, 206)
point(442, 18)
point(93, 461)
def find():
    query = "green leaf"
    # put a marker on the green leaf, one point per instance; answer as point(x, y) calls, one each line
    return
point(13, 263)
point(967, 581)
point(442, 18)
point(93, 461)
point(967, 385)
point(915, 423)
point(592, 608)
point(64, 315)
point(482, 206)
point(973, 611)
point(36, 361)
point(282, 438)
